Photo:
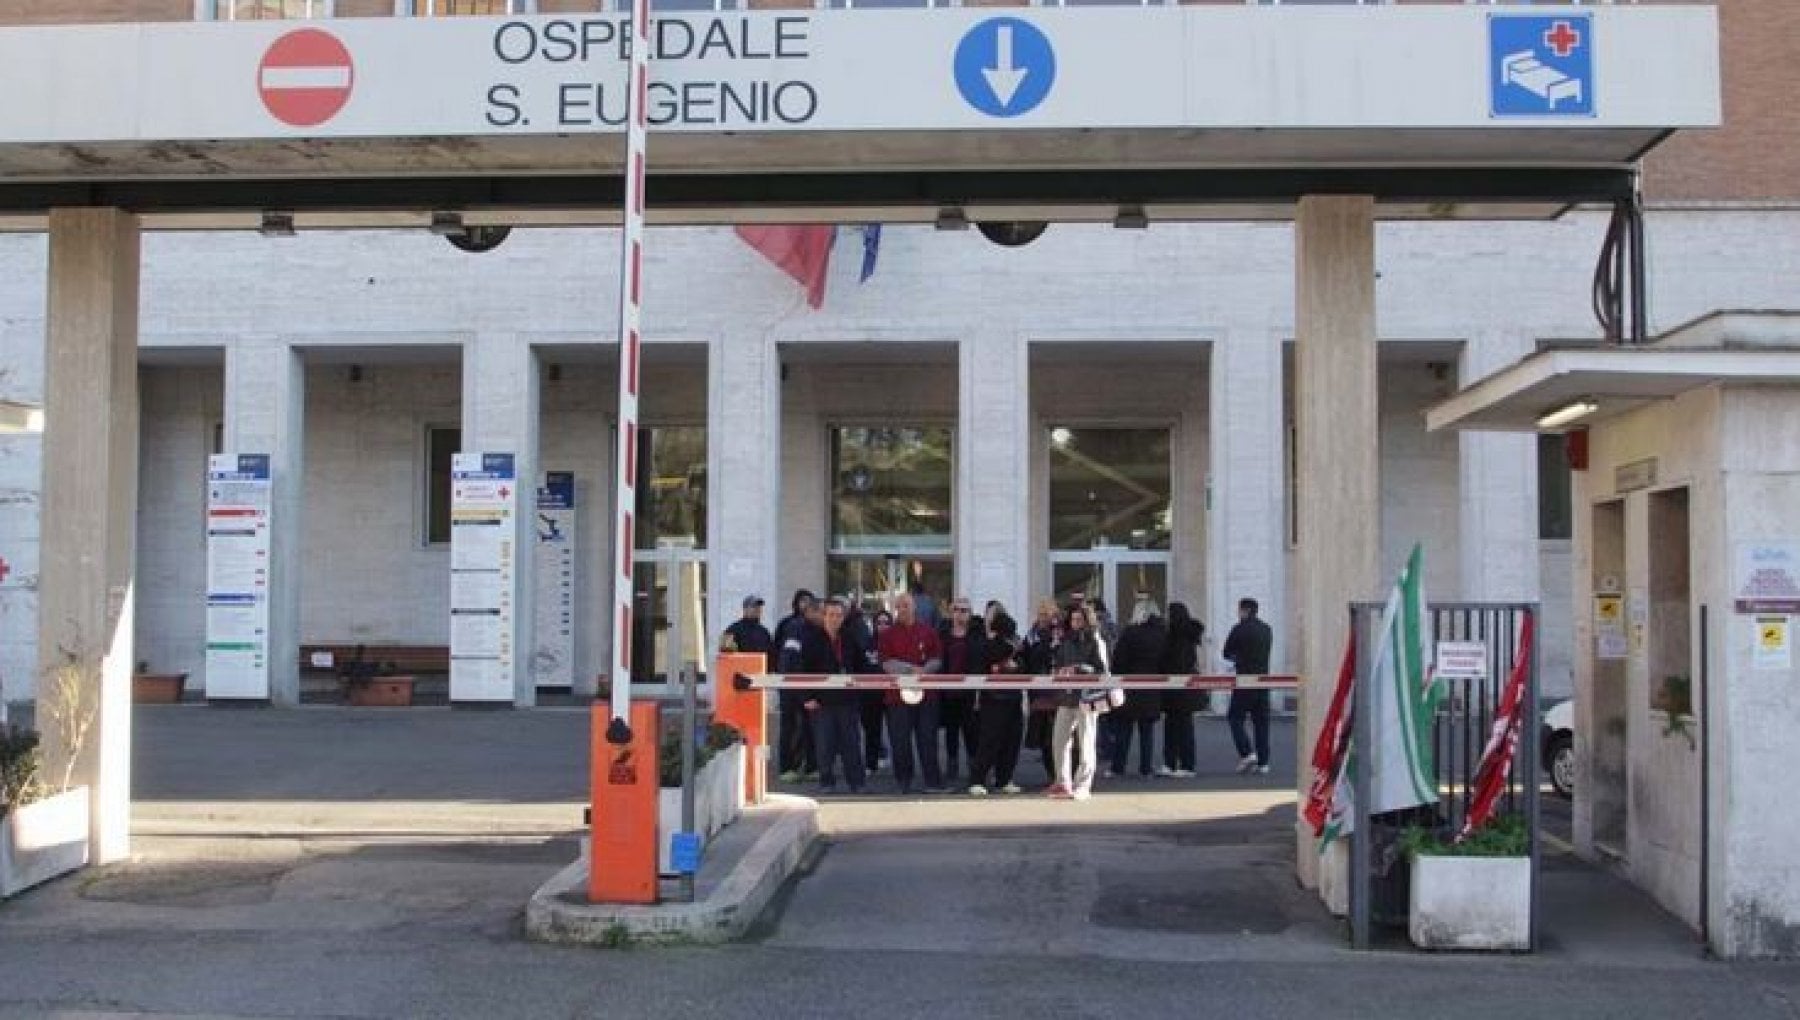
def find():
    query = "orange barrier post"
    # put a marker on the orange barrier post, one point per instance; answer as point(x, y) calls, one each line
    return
point(747, 708)
point(623, 780)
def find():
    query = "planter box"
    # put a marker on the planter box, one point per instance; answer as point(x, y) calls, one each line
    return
point(1471, 903)
point(157, 688)
point(382, 692)
point(718, 800)
point(43, 840)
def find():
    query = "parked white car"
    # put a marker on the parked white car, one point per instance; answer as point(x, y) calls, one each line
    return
point(1558, 743)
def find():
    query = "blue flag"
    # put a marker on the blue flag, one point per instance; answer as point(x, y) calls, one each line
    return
point(871, 233)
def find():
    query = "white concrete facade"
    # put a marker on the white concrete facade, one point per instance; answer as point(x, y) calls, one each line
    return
point(258, 335)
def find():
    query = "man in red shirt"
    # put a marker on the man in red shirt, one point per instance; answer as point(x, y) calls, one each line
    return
point(911, 647)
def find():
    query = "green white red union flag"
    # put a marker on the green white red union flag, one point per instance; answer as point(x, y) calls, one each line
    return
point(1403, 700)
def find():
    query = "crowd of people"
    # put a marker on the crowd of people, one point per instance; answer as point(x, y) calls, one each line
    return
point(833, 734)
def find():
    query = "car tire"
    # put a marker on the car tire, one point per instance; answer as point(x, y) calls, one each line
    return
point(1561, 758)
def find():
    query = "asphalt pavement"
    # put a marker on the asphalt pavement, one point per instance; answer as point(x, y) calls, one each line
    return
point(344, 863)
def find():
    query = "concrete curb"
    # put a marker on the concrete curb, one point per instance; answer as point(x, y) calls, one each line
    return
point(557, 912)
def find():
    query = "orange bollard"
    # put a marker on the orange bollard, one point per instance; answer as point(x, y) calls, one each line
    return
point(622, 860)
point(748, 710)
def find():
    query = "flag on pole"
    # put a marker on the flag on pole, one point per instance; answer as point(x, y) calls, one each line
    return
point(802, 252)
point(871, 239)
point(1404, 697)
point(1503, 739)
point(1333, 744)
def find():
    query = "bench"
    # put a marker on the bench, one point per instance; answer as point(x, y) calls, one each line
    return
point(329, 659)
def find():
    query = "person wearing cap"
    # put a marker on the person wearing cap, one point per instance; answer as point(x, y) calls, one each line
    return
point(747, 633)
point(796, 755)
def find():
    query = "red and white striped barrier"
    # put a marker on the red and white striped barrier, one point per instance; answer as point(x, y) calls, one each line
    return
point(1017, 681)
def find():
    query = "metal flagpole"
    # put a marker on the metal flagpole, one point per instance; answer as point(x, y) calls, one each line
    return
point(631, 279)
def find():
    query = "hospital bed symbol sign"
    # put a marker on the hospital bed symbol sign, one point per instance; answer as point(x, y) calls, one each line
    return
point(1541, 65)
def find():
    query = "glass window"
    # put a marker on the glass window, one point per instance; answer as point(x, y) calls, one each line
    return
point(441, 443)
point(671, 486)
point(447, 8)
point(891, 489)
point(678, 6)
point(887, 4)
point(1556, 513)
point(1109, 487)
point(268, 10)
point(873, 581)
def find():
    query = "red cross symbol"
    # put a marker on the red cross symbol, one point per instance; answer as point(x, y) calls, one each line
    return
point(1562, 39)
point(505, 492)
point(5, 568)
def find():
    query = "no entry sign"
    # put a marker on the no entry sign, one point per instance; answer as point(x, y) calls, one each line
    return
point(306, 77)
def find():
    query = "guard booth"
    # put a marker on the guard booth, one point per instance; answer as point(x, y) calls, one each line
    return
point(1687, 578)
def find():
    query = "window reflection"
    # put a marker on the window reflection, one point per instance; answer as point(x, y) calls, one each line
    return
point(269, 10)
point(671, 486)
point(891, 489)
point(1109, 487)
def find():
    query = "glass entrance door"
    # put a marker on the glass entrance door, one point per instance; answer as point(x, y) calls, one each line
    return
point(1119, 576)
point(658, 578)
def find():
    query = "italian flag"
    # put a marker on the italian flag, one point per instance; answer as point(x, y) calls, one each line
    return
point(1403, 699)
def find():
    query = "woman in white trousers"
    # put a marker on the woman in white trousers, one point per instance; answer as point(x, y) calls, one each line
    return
point(1073, 735)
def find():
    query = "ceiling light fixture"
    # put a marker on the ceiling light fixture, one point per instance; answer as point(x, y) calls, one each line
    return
point(1568, 414)
point(952, 217)
point(276, 224)
point(1131, 217)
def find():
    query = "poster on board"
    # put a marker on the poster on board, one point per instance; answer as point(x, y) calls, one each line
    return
point(553, 604)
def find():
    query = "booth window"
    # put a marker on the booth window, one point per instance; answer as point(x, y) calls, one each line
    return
point(671, 486)
point(1556, 511)
point(441, 444)
point(265, 10)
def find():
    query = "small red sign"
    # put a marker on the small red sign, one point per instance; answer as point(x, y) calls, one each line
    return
point(306, 77)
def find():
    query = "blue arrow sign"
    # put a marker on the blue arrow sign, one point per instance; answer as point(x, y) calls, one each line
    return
point(1005, 67)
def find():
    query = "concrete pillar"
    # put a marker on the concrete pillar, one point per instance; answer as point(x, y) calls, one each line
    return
point(1247, 531)
point(90, 515)
point(743, 416)
point(265, 412)
point(1336, 421)
point(1499, 525)
point(500, 415)
point(993, 440)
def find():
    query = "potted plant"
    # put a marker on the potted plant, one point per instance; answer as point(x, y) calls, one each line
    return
point(1472, 894)
point(718, 785)
point(149, 688)
point(369, 684)
point(44, 825)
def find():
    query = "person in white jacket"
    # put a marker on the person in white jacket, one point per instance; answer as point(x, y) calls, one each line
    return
point(1078, 711)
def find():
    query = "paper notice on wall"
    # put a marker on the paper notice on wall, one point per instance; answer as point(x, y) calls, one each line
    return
point(483, 497)
point(1773, 651)
point(238, 500)
point(1767, 578)
point(553, 649)
point(1610, 641)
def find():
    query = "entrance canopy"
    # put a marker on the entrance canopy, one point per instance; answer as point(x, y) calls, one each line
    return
point(1192, 111)
point(1558, 389)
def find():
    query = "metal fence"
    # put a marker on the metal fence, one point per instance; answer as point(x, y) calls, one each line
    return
point(1465, 716)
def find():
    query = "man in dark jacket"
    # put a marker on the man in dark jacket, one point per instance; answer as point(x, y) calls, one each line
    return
point(748, 634)
point(797, 757)
point(1247, 649)
point(831, 647)
point(964, 642)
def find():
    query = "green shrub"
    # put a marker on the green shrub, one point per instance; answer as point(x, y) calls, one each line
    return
point(1502, 836)
point(668, 758)
point(720, 736)
point(19, 784)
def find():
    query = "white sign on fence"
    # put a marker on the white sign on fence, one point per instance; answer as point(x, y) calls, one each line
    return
point(1462, 660)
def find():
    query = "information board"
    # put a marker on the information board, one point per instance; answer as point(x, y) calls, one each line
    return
point(483, 498)
point(553, 605)
point(238, 497)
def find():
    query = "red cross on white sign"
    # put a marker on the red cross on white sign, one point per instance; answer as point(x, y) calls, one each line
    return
point(5, 568)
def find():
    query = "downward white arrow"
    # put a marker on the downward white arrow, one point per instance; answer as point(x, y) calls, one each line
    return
point(1004, 78)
